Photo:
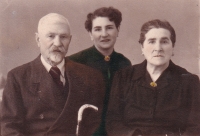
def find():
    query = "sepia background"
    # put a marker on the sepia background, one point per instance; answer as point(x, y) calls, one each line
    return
point(19, 19)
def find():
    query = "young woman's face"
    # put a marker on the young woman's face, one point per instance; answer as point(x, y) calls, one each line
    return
point(104, 33)
point(157, 47)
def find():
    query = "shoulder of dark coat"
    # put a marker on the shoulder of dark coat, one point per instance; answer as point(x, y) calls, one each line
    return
point(187, 77)
point(125, 73)
point(176, 69)
point(81, 68)
point(22, 68)
point(85, 73)
point(120, 57)
point(183, 73)
point(136, 67)
point(80, 55)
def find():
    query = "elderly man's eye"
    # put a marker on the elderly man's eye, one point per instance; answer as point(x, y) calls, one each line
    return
point(63, 36)
point(51, 36)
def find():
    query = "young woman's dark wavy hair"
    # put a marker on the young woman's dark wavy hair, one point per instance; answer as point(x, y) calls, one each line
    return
point(110, 12)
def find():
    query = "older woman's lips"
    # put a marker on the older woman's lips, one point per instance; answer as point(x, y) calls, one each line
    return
point(158, 56)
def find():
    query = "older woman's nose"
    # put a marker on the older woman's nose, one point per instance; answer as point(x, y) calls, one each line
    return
point(158, 46)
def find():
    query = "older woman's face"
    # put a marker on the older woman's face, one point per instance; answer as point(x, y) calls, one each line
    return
point(104, 33)
point(157, 47)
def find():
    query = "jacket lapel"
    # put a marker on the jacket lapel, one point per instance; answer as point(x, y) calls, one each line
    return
point(75, 91)
point(78, 94)
point(42, 85)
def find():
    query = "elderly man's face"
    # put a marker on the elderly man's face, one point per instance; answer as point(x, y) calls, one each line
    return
point(53, 38)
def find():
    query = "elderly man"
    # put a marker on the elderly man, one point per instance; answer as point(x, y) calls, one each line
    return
point(43, 97)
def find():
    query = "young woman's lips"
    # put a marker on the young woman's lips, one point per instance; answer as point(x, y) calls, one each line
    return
point(105, 40)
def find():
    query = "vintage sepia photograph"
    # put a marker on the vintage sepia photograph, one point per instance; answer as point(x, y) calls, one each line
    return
point(99, 67)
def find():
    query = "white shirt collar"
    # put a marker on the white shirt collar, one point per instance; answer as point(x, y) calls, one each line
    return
point(48, 66)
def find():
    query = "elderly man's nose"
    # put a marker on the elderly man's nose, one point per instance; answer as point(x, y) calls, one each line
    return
point(57, 41)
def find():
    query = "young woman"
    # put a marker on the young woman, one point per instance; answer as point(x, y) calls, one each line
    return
point(103, 27)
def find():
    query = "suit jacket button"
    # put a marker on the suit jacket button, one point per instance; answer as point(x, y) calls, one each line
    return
point(151, 112)
point(41, 116)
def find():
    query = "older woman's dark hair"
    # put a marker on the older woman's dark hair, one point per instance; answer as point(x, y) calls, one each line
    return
point(110, 12)
point(157, 24)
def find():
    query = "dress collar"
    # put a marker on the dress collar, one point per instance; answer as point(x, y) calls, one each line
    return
point(141, 69)
point(98, 56)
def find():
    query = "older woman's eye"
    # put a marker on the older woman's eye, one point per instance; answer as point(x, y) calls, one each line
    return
point(110, 27)
point(164, 41)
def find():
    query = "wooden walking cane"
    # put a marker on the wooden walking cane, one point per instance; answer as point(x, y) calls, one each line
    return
point(80, 113)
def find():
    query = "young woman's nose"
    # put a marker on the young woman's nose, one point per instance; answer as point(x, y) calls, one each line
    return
point(104, 33)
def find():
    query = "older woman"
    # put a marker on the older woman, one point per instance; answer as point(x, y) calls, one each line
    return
point(103, 27)
point(155, 97)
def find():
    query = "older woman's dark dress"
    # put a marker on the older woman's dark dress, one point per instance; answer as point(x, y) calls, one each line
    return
point(172, 108)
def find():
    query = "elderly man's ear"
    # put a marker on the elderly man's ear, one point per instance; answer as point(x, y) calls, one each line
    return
point(37, 38)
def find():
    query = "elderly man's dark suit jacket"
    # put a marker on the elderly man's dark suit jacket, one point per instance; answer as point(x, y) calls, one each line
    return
point(32, 104)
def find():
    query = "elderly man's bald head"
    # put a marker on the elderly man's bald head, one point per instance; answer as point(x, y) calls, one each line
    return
point(52, 18)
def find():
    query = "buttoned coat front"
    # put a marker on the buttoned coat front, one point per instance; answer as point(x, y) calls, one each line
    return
point(170, 108)
point(33, 106)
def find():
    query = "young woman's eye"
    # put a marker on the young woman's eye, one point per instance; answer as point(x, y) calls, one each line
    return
point(151, 42)
point(97, 29)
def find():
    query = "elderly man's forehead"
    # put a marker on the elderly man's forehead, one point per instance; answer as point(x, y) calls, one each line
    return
point(52, 18)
